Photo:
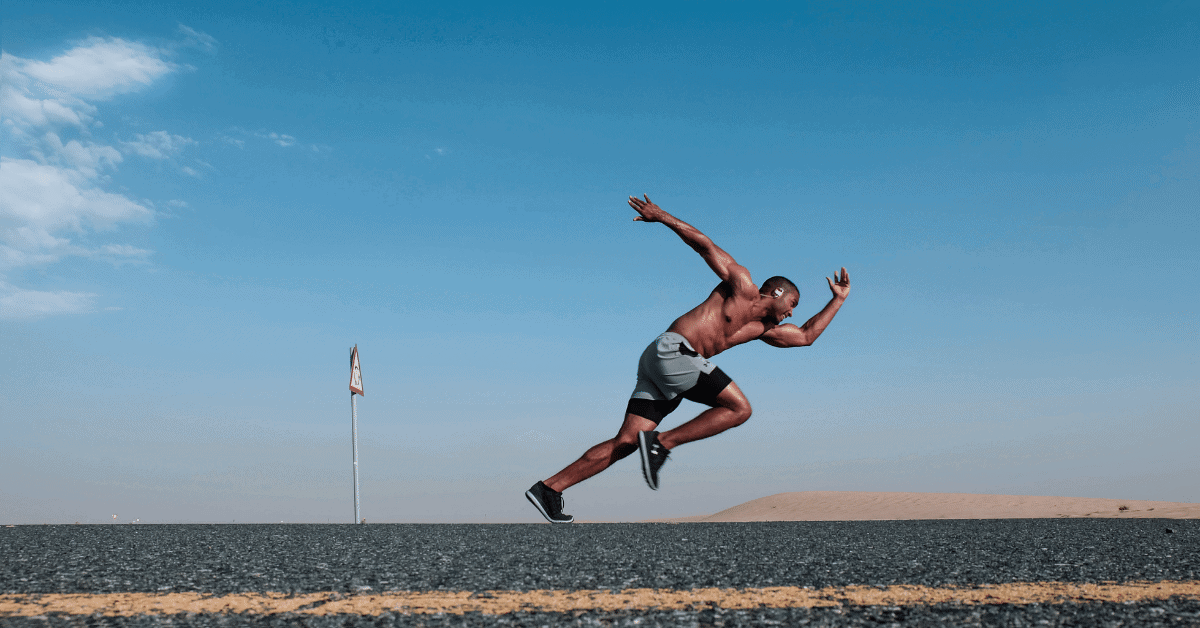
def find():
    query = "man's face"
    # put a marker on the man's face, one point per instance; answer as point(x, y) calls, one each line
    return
point(783, 305)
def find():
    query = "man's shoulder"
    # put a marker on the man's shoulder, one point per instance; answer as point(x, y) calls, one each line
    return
point(740, 280)
point(732, 289)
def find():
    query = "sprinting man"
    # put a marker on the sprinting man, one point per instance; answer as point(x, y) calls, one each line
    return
point(675, 366)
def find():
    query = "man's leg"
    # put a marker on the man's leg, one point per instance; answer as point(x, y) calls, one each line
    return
point(732, 410)
point(602, 456)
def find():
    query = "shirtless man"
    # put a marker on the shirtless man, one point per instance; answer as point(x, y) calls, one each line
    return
point(675, 366)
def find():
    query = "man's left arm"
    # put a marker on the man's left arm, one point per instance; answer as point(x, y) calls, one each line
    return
point(792, 336)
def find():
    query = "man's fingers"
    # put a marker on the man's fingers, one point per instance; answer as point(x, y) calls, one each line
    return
point(637, 218)
point(845, 275)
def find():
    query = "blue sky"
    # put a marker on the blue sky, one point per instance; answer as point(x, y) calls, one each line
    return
point(204, 208)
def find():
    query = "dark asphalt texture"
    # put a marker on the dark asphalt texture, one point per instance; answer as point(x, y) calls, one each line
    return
point(384, 557)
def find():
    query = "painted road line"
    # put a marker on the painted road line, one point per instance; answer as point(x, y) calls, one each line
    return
point(549, 600)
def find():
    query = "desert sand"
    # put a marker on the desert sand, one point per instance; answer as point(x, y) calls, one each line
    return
point(866, 506)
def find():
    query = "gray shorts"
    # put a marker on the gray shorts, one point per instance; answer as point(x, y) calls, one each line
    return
point(669, 371)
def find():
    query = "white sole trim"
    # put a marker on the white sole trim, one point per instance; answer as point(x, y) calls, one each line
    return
point(536, 504)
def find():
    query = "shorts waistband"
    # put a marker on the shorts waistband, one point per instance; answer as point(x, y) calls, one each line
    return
point(677, 338)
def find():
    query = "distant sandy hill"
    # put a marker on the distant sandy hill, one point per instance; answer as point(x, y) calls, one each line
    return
point(862, 506)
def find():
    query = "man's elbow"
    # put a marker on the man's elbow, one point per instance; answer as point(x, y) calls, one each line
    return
point(805, 338)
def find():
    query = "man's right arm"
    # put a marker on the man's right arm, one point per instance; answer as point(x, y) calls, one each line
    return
point(718, 260)
point(784, 336)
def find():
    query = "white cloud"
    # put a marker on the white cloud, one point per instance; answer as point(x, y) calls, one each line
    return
point(42, 200)
point(121, 254)
point(86, 157)
point(54, 198)
point(281, 139)
point(27, 103)
point(124, 250)
point(53, 188)
point(158, 145)
point(201, 40)
point(17, 303)
point(100, 68)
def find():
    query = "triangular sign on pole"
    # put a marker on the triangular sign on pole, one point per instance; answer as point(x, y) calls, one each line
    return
point(355, 372)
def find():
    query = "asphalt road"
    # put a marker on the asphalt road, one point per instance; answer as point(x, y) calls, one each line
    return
point(357, 560)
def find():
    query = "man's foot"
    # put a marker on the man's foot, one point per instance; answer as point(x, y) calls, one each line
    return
point(653, 456)
point(548, 502)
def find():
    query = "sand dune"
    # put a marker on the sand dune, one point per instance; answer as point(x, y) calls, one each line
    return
point(862, 506)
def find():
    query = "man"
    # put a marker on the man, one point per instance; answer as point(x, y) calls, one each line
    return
point(675, 366)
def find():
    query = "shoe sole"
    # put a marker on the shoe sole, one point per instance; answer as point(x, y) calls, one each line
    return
point(537, 504)
point(644, 450)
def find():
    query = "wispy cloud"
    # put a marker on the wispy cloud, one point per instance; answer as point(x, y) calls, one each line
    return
point(17, 303)
point(99, 68)
point(41, 201)
point(55, 190)
point(197, 39)
point(86, 157)
point(281, 139)
point(158, 145)
point(120, 254)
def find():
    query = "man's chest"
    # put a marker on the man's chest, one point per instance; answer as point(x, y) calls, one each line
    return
point(739, 324)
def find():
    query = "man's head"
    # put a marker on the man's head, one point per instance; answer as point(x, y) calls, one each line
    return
point(784, 296)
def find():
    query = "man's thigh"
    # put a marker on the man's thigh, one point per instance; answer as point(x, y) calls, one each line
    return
point(632, 425)
point(652, 411)
point(709, 387)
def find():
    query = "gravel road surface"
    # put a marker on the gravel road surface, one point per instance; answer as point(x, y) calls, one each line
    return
point(379, 558)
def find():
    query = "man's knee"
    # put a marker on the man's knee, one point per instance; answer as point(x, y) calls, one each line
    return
point(626, 439)
point(742, 411)
point(739, 406)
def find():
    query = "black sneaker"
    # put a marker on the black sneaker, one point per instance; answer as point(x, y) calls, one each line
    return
point(548, 502)
point(653, 456)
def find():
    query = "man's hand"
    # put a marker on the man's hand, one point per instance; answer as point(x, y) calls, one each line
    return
point(648, 210)
point(717, 259)
point(840, 287)
point(806, 334)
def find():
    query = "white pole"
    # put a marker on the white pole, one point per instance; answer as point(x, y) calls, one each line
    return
point(354, 446)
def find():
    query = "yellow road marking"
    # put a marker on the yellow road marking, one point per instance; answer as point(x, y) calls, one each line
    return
point(500, 602)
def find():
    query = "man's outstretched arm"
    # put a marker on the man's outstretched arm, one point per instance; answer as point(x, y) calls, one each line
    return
point(717, 259)
point(804, 335)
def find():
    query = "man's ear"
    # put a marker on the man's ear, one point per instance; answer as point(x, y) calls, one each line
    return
point(775, 294)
